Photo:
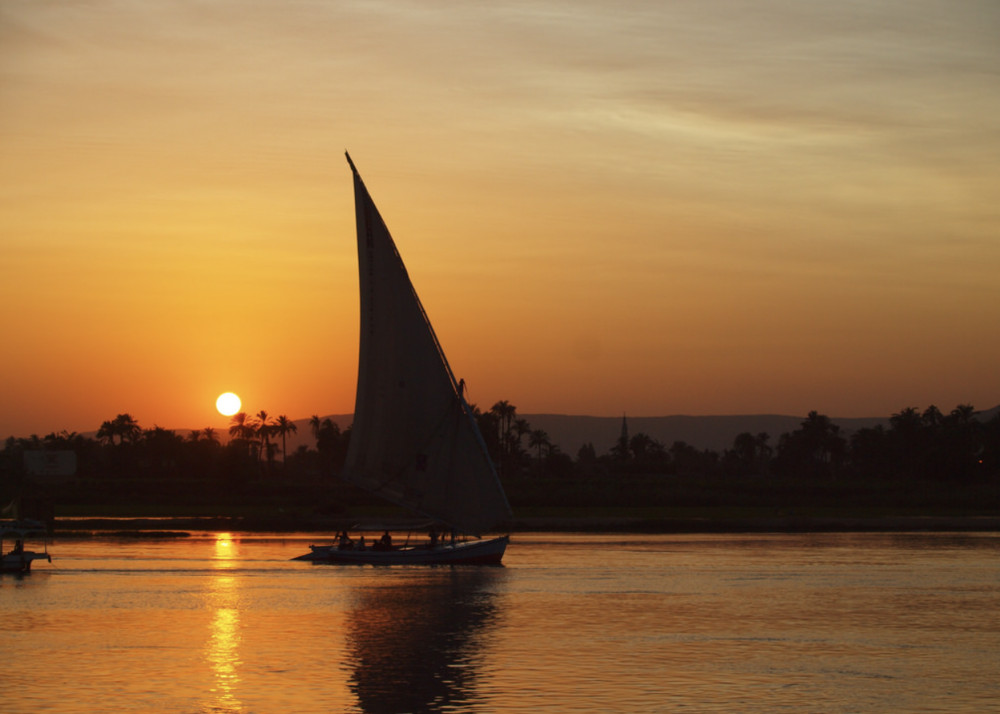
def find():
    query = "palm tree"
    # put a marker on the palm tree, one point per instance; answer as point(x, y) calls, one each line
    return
point(932, 416)
point(106, 433)
point(961, 444)
point(749, 453)
point(316, 424)
point(241, 429)
point(284, 426)
point(124, 426)
point(504, 412)
point(962, 414)
point(127, 428)
point(263, 429)
point(238, 425)
point(539, 439)
point(210, 435)
point(327, 435)
point(521, 429)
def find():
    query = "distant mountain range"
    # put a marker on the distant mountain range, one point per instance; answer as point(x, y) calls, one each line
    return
point(716, 433)
point(703, 432)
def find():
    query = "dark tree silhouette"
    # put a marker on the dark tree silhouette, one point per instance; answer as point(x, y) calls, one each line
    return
point(283, 426)
point(750, 455)
point(539, 439)
point(510, 429)
point(123, 426)
point(263, 428)
point(815, 449)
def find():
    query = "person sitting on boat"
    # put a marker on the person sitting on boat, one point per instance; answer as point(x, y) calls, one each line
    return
point(385, 542)
point(434, 538)
point(361, 543)
point(345, 541)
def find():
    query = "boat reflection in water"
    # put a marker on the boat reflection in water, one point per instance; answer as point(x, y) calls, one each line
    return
point(222, 649)
point(415, 637)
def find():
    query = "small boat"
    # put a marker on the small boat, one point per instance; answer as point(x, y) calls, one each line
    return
point(461, 552)
point(414, 441)
point(18, 560)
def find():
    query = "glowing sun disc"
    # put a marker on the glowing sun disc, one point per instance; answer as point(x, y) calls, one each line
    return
point(227, 404)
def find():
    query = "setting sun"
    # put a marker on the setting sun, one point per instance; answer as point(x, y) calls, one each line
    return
point(227, 404)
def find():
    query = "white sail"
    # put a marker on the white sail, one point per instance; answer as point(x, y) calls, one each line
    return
point(414, 440)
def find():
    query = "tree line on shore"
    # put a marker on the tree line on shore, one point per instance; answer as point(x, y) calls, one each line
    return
point(939, 455)
point(916, 444)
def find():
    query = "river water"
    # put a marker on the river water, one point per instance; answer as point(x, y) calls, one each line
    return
point(226, 622)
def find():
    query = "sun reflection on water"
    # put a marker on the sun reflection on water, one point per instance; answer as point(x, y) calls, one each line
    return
point(225, 551)
point(222, 649)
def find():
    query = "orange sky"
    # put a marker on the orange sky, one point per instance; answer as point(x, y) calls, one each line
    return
point(606, 207)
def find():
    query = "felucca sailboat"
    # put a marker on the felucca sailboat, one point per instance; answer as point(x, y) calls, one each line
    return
point(415, 440)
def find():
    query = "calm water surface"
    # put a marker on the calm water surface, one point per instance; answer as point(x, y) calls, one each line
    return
point(225, 622)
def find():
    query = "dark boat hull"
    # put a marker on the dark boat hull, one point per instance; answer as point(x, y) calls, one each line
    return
point(479, 552)
point(21, 562)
